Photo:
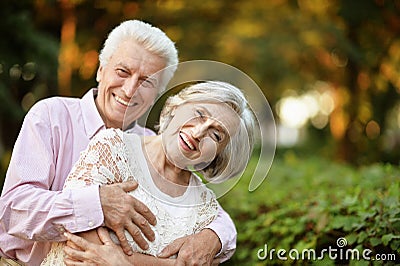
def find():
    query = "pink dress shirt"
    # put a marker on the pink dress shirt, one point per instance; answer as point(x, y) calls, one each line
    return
point(33, 204)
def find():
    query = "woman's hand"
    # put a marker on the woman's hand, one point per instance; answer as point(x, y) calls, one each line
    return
point(122, 211)
point(80, 251)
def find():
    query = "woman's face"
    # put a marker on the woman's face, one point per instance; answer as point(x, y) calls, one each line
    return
point(198, 132)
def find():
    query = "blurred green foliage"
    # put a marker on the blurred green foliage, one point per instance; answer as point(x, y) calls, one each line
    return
point(308, 203)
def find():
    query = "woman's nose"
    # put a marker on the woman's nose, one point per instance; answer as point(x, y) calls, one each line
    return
point(199, 130)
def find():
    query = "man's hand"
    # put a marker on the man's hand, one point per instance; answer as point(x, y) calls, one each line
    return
point(79, 251)
point(198, 249)
point(122, 211)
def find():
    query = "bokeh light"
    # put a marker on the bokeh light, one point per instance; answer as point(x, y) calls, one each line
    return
point(295, 111)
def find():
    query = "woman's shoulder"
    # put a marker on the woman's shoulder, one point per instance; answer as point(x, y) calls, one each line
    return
point(118, 141)
point(107, 135)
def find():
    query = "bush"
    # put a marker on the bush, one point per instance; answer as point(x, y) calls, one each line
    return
point(315, 204)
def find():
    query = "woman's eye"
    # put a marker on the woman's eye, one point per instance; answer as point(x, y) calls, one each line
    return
point(200, 114)
point(217, 137)
point(147, 83)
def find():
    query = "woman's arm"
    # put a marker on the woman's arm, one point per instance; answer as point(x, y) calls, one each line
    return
point(96, 247)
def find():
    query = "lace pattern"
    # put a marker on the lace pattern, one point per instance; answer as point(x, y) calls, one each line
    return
point(108, 160)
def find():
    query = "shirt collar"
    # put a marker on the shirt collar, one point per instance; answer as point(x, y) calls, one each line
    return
point(91, 117)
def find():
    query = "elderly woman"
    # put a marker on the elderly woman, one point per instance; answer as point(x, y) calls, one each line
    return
point(205, 130)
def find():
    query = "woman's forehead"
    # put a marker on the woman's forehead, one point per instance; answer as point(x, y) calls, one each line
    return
point(221, 112)
point(213, 107)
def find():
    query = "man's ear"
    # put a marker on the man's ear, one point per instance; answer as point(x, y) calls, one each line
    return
point(98, 74)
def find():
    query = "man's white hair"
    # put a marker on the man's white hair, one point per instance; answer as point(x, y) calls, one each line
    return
point(153, 40)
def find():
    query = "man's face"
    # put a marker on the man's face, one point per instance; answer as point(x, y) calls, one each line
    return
point(126, 85)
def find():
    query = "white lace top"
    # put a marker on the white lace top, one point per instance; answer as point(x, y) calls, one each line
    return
point(113, 157)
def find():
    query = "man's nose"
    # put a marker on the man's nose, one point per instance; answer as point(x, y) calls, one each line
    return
point(130, 86)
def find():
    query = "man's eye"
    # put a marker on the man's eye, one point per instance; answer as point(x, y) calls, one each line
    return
point(122, 72)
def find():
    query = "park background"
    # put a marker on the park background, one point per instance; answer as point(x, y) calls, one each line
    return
point(329, 69)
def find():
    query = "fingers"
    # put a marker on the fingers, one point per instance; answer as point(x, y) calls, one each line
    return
point(73, 248)
point(138, 227)
point(70, 262)
point(128, 185)
point(141, 219)
point(137, 236)
point(172, 248)
point(124, 212)
point(119, 206)
point(104, 236)
point(124, 242)
point(77, 254)
point(80, 257)
point(72, 245)
point(140, 208)
point(145, 213)
point(77, 241)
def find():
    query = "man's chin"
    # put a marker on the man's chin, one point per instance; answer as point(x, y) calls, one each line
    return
point(129, 122)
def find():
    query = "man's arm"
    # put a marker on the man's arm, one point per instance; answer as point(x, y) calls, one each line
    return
point(28, 209)
point(33, 205)
point(104, 162)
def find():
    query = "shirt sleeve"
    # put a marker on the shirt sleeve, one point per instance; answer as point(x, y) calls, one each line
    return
point(29, 209)
point(225, 229)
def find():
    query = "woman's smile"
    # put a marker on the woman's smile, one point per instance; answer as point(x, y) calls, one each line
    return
point(187, 142)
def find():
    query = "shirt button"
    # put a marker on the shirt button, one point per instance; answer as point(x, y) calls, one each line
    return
point(90, 224)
